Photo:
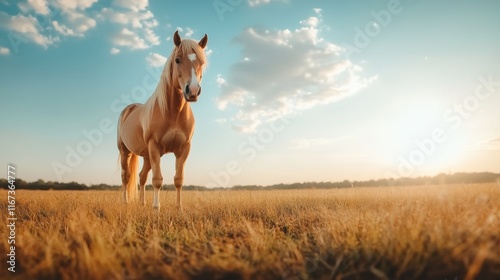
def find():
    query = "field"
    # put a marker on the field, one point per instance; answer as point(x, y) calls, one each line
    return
point(431, 232)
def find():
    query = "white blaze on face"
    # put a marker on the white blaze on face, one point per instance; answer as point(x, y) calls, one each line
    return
point(194, 78)
point(194, 86)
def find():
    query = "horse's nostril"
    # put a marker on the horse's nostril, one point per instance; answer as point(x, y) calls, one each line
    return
point(199, 92)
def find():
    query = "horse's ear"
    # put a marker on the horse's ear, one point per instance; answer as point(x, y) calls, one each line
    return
point(203, 42)
point(177, 38)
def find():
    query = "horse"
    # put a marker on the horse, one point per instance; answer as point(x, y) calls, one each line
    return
point(163, 124)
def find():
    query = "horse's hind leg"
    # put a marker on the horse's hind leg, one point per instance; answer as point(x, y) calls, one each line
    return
point(143, 177)
point(124, 154)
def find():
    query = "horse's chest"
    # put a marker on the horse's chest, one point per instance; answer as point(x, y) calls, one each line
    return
point(173, 140)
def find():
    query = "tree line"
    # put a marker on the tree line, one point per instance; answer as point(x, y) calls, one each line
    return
point(440, 179)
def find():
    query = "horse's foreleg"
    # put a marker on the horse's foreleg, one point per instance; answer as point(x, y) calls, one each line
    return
point(143, 177)
point(154, 159)
point(180, 161)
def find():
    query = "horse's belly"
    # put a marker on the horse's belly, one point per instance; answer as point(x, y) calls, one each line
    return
point(173, 140)
point(131, 136)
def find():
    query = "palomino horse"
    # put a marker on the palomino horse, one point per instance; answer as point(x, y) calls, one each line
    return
point(164, 124)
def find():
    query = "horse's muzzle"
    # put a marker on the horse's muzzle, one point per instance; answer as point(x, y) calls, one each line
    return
point(190, 96)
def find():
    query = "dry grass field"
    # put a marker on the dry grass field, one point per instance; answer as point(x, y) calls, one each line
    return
point(431, 232)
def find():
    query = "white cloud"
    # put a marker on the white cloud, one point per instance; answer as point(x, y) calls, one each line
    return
point(114, 51)
point(127, 38)
point(71, 5)
point(135, 17)
point(221, 81)
point(28, 28)
point(4, 51)
point(312, 22)
point(185, 31)
point(189, 32)
point(133, 5)
point(39, 6)
point(19, 23)
point(80, 22)
point(156, 60)
point(253, 3)
point(151, 37)
point(151, 23)
point(221, 120)
point(489, 144)
point(71, 21)
point(63, 29)
point(287, 71)
point(74, 19)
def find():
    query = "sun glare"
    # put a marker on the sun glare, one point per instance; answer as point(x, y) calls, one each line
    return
point(422, 141)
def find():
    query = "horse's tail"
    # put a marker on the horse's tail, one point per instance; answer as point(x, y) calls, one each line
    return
point(133, 167)
point(132, 161)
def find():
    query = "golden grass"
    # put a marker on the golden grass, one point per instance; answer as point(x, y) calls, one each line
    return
point(432, 232)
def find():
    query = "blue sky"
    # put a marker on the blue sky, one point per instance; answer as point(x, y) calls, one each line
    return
point(294, 91)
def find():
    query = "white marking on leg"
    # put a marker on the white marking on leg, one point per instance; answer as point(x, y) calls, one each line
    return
point(192, 56)
point(125, 196)
point(143, 196)
point(156, 198)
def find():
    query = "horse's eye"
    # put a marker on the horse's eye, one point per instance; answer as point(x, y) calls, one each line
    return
point(177, 60)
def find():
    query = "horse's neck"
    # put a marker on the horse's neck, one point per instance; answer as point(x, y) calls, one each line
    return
point(176, 105)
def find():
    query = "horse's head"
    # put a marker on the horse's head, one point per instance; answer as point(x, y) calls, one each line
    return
point(188, 61)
